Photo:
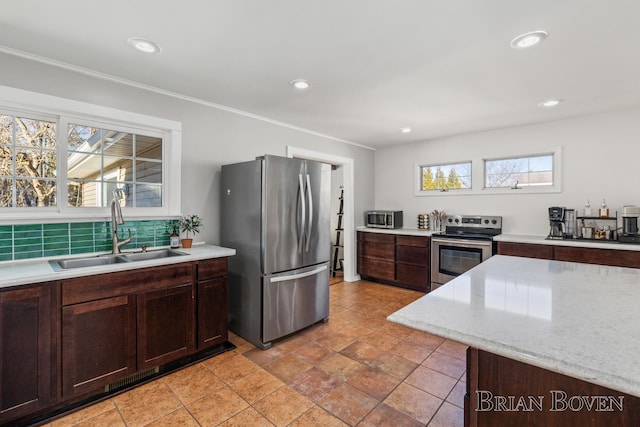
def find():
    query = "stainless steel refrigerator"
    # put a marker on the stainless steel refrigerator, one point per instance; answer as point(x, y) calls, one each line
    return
point(275, 212)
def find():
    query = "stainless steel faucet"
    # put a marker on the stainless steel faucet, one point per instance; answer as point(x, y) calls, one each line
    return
point(117, 219)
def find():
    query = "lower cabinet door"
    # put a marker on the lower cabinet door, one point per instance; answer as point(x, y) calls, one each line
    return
point(212, 312)
point(165, 325)
point(98, 343)
point(25, 351)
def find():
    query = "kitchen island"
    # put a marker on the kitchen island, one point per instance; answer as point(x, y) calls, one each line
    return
point(551, 342)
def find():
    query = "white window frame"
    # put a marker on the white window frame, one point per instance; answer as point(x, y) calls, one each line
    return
point(63, 111)
point(418, 191)
point(478, 175)
point(556, 187)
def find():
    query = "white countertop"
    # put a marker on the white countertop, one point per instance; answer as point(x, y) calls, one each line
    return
point(541, 240)
point(576, 319)
point(403, 231)
point(13, 273)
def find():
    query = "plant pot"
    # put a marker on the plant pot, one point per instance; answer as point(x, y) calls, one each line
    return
point(186, 243)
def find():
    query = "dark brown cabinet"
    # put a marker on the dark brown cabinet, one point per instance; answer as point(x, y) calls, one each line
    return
point(98, 342)
point(117, 324)
point(413, 262)
point(165, 325)
point(395, 259)
point(26, 364)
point(614, 257)
point(526, 250)
point(212, 302)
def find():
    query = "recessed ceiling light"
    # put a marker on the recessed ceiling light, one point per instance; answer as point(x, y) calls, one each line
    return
point(406, 130)
point(550, 103)
point(300, 84)
point(529, 39)
point(144, 45)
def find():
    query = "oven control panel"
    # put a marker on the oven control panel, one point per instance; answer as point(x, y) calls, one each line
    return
point(474, 221)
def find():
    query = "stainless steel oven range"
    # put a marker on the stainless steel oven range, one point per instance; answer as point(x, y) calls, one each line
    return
point(466, 242)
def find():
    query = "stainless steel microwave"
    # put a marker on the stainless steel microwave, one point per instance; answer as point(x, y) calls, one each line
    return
point(383, 219)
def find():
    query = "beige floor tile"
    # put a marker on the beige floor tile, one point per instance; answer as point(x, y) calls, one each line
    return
point(287, 368)
point(153, 401)
point(362, 352)
point(193, 383)
point(283, 406)
point(110, 418)
point(456, 396)
point(445, 364)
point(315, 383)
point(382, 341)
point(249, 418)
point(256, 385)
point(84, 414)
point(313, 353)
point(336, 341)
point(394, 365)
point(262, 357)
point(231, 367)
point(414, 402)
point(179, 418)
point(453, 349)
point(341, 367)
point(448, 416)
point(440, 385)
point(317, 416)
point(348, 403)
point(375, 383)
point(217, 407)
point(425, 340)
point(384, 415)
point(412, 352)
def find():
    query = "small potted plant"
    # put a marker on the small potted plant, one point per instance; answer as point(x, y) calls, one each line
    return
point(189, 224)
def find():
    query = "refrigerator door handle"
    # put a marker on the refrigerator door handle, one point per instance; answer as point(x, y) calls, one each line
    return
point(309, 228)
point(301, 234)
point(297, 276)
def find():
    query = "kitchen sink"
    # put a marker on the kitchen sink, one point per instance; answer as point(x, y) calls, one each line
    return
point(145, 256)
point(66, 264)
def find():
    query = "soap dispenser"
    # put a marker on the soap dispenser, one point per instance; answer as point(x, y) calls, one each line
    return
point(174, 239)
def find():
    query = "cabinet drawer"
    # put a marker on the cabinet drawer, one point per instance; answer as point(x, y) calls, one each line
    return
point(418, 241)
point(211, 268)
point(389, 239)
point(377, 269)
point(525, 250)
point(89, 288)
point(413, 275)
point(412, 255)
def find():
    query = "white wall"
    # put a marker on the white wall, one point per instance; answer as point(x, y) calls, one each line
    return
point(210, 137)
point(600, 159)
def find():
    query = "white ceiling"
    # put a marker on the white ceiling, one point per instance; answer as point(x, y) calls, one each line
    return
point(442, 67)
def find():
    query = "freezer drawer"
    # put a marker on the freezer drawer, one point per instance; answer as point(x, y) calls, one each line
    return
point(294, 300)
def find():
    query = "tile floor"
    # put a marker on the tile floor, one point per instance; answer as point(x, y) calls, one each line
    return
point(357, 369)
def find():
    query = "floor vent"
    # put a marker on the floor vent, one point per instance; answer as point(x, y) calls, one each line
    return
point(132, 379)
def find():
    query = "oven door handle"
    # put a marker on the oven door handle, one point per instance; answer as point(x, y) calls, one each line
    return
point(461, 242)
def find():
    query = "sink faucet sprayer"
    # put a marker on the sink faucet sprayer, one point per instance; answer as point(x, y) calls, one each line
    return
point(116, 218)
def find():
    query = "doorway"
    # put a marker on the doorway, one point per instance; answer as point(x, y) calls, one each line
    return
point(346, 165)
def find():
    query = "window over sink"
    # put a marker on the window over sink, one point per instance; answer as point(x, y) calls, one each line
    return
point(59, 156)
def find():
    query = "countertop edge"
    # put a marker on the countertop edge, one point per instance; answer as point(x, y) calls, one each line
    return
point(541, 240)
point(401, 231)
point(39, 270)
point(601, 378)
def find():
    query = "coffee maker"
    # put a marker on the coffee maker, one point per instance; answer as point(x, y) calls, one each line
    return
point(630, 225)
point(557, 223)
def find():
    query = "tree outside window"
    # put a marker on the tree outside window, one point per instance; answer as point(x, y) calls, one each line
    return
point(519, 171)
point(28, 162)
point(446, 177)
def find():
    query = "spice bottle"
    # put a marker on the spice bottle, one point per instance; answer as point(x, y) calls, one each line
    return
point(587, 209)
point(174, 239)
point(604, 210)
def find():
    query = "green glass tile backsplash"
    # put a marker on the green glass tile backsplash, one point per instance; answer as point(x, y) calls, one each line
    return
point(38, 240)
